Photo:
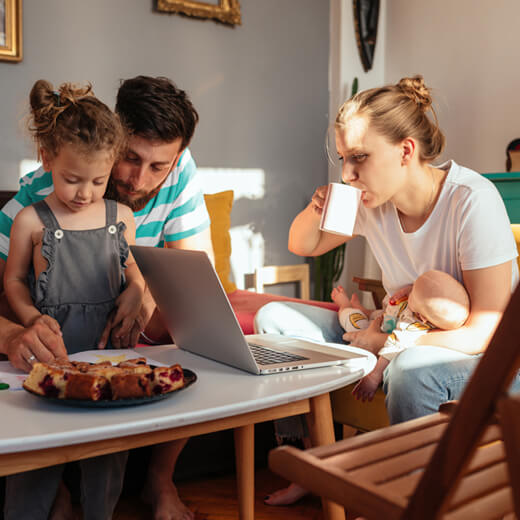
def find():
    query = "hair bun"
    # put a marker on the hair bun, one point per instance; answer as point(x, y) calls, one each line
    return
point(417, 91)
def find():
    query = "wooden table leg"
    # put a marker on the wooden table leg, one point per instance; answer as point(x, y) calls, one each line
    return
point(322, 432)
point(245, 466)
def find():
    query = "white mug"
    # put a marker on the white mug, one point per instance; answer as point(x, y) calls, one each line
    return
point(340, 209)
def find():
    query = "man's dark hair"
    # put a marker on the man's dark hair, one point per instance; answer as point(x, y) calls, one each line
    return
point(155, 109)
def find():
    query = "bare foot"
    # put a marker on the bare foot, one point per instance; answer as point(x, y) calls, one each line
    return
point(339, 296)
point(286, 496)
point(165, 502)
point(62, 507)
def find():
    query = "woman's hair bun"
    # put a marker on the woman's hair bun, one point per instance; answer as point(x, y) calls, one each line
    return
point(417, 91)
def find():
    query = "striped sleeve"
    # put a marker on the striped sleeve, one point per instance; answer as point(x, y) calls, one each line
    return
point(188, 215)
point(34, 186)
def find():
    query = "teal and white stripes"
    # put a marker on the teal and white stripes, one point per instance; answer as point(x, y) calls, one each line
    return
point(178, 211)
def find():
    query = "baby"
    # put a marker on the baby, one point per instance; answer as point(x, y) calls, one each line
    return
point(435, 301)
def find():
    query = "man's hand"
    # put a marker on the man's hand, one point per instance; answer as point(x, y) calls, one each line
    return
point(371, 339)
point(123, 338)
point(42, 341)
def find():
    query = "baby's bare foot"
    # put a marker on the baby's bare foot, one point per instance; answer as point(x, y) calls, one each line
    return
point(286, 496)
point(165, 502)
point(339, 296)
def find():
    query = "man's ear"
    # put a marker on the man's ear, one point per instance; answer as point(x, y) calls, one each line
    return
point(46, 159)
point(177, 157)
point(408, 149)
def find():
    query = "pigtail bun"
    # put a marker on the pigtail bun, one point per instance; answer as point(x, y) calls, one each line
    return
point(417, 91)
point(72, 114)
point(398, 111)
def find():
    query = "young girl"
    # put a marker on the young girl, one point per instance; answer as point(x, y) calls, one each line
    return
point(66, 269)
point(66, 263)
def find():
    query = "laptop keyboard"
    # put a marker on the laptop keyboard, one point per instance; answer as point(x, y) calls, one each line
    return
point(267, 356)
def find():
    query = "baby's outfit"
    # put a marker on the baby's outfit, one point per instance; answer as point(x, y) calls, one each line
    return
point(85, 275)
point(401, 323)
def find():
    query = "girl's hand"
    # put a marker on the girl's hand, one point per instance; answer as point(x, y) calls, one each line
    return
point(367, 387)
point(371, 339)
point(125, 323)
point(318, 199)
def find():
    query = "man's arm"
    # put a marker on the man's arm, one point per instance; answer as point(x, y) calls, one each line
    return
point(155, 329)
point(19, 343)
point(199, 242)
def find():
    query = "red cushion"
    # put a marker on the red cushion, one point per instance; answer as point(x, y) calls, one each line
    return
point(246, 303)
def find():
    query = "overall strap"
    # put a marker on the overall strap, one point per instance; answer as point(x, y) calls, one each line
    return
point(46, 215)
point(111, 211)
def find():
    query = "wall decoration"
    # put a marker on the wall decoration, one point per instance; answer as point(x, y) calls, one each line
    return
point(225, 11)
point(11, 30)
point(366, 15)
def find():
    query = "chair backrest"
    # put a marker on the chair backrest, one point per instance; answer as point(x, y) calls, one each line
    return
point(485, 394)
point(276, 274)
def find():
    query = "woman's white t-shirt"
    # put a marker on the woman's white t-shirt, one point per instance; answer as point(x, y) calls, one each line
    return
point(468, 229)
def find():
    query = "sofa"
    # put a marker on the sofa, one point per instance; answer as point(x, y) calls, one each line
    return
point(245, 303)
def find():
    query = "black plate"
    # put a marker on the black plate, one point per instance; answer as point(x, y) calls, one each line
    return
point(189, 378)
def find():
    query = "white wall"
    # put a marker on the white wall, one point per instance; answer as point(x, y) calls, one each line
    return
point(260, 89)
point(345, 65)
point(468, 52)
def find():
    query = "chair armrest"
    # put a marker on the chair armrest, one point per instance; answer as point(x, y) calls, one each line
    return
point(375, 287)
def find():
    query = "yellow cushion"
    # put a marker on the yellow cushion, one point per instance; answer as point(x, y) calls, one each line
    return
point(219, 208)
point(364, 416)
point(516, 232)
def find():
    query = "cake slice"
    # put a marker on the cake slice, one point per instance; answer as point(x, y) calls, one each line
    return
point(166, 379)
point(128, 385)
point(47, 380)
point(91, 387)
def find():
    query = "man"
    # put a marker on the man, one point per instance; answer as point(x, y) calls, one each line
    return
point(156, 177)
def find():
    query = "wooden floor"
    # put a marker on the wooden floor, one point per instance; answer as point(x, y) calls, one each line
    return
point(215, 499)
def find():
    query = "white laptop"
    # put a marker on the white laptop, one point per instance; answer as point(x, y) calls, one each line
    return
point(200, 319)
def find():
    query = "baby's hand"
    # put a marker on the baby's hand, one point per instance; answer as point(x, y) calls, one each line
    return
point(403, 292)
point(367, 387)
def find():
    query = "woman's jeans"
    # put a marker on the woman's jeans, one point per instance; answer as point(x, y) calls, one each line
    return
point(416, 382)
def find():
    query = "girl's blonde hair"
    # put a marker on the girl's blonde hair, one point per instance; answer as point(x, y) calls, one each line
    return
point(397, 112)
point(72, 115)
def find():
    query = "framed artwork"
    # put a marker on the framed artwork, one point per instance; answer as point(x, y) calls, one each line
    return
point(225, 11)
point(11, 30)
point(366, 15)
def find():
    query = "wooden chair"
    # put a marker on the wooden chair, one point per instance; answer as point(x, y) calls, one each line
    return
point(463, 462)
point(276, 274)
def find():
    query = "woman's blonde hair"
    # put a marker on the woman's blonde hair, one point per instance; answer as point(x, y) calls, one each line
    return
point(397, 112)
point(72, 115)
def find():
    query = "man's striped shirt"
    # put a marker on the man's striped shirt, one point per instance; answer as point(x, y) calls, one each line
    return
point(178, 211)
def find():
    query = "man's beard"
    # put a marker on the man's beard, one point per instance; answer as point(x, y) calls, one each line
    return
point(134, 204)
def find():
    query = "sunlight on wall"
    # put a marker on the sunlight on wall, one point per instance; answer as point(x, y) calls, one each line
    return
point(27, 166)
point(247, 246)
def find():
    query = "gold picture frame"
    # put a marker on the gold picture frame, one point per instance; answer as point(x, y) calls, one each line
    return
point(227, 11)
point(11, 30)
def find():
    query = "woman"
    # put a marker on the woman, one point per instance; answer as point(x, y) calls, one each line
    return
point(415, 217)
